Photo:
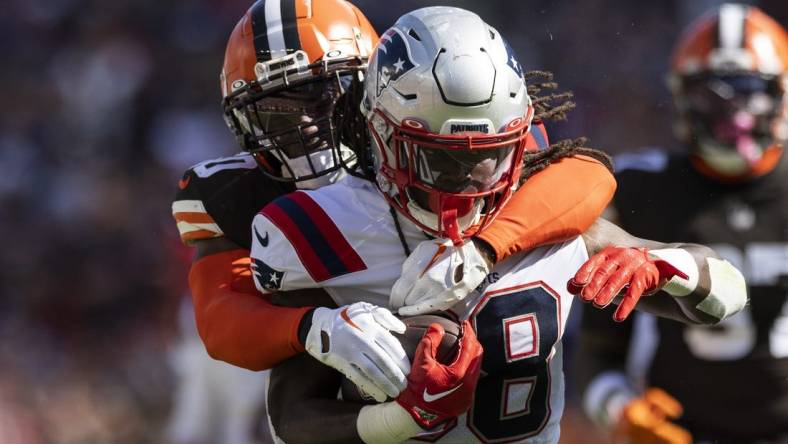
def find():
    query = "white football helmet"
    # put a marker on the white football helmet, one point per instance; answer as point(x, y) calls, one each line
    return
point(449, 114)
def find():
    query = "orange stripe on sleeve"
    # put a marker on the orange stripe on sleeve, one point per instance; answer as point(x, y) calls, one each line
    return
point(554, 205)
point(236, 323)
point(193, 218)
point(191, 236)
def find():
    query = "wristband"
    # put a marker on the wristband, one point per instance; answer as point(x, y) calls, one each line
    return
point(386, 423)
point(304, 325)
point(682, 260)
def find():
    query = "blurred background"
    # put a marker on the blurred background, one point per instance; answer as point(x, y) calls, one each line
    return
point(107, 103)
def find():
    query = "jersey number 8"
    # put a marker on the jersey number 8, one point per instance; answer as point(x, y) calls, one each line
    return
point(519, 328)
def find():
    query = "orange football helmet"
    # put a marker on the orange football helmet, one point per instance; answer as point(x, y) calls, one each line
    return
point(286, 66)
point(729, 77)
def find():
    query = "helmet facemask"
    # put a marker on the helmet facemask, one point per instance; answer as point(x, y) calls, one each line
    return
point(728, 81)
point(732, 118)
point(451, 186)
point(287, 119)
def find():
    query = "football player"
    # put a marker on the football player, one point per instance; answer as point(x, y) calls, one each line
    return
point(448, 169)
point(287, 66)
point(728, 189)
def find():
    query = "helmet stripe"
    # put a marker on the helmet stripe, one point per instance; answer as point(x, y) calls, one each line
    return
point(259, 30)
point(731, 26)
point(281, 28)
point(273, 24)
point(290, 26)
point(275, 29)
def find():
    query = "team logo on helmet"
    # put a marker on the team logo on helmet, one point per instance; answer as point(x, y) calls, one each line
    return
point(394, 59)
point(511, 60)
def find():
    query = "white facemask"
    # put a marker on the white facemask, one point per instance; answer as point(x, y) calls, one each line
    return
point(321, 160)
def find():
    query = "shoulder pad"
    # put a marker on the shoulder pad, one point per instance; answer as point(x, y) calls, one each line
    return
point(219, 197)
point(294, 236)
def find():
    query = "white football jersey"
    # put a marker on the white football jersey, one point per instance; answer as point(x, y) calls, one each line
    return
point(343, 238)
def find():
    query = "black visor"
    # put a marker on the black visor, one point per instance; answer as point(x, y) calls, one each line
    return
point(459, 171)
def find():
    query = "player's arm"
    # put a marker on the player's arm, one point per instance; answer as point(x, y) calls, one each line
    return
point(552, 206)
point(237, 324)
point(354, 339)
point(303, 405)
point(692, 283)
point(304, 409)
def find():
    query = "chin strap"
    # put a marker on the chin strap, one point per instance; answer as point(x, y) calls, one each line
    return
point(401, 235)
point(451, 226)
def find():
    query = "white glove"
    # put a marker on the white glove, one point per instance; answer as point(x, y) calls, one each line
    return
point(356, 340)
point(436, 276)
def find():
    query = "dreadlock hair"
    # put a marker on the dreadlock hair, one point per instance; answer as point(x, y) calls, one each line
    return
point(550, 105)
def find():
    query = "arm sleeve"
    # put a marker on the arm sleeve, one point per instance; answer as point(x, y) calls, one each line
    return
point(552, 206)
point(303, 404)
point(236, 323)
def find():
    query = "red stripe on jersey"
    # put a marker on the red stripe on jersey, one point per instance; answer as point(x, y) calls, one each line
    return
point(306, 254)
point(330, 232)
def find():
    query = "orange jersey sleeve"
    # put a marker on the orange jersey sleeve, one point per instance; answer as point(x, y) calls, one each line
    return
point(552, 206)
point(237, 324)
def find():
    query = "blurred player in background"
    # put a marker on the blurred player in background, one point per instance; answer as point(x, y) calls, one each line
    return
point(447, 170)
point(287, 66)
point(660, 382)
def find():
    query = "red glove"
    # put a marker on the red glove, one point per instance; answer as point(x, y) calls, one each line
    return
point(438, 392)
point(606, 274)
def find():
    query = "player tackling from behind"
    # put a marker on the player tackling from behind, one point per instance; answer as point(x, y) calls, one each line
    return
point(449, 114)
point(287, 68)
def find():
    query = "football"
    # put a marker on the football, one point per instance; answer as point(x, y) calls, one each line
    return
point(417, 326)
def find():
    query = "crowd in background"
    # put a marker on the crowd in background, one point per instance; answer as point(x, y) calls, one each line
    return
point(104, 106)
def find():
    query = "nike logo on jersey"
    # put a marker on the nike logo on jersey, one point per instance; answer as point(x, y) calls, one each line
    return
point(262, 240)
point(183, 183)
point(428, 397)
